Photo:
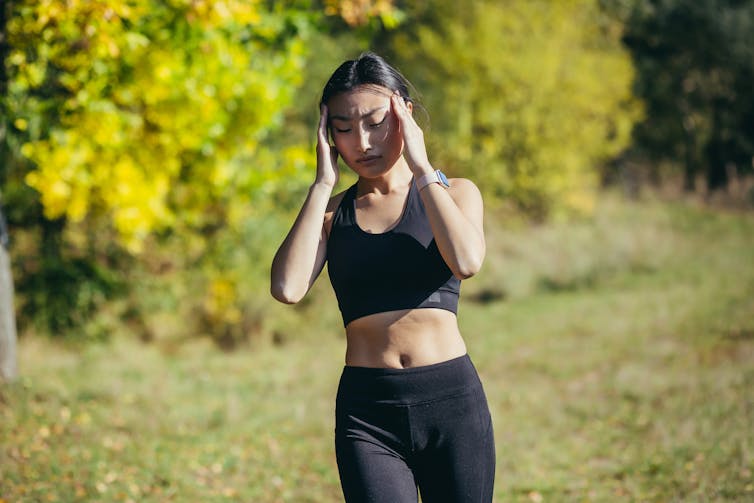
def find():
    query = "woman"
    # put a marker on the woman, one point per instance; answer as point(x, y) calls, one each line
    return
point(410, 409)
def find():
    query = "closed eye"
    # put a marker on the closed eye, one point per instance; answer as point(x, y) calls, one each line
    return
point(378, 124)
point(342, 130)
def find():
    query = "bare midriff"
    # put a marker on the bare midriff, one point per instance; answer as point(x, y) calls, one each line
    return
point(403, 339)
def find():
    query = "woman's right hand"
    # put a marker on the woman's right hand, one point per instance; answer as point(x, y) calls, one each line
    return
point(327, 155)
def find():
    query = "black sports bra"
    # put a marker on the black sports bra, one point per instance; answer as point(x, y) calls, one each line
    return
point(398, 269)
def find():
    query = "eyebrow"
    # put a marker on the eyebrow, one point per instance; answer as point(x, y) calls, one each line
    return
point(365, 114)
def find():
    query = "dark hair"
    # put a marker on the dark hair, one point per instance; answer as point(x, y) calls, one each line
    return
point(368, 68)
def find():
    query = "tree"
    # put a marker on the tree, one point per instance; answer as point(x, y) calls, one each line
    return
point(195, 85)
point(8, 365)
point(528, 97)
point(695, 64)
point(145, 122)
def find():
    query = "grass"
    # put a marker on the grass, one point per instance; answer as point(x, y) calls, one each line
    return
point(617, 354)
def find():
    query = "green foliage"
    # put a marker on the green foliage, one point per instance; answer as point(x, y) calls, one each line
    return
point(695, 65)
point(526, 97)
point(140, 117)
point(163, 106)
point(64, 295)
point(156, 125)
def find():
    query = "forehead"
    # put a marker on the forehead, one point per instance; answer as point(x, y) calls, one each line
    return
point(354, 104)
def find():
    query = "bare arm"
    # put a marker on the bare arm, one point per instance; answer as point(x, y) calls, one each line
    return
point(455, 214)
point(301, 256)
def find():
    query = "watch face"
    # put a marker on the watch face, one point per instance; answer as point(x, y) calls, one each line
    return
point(443, 178)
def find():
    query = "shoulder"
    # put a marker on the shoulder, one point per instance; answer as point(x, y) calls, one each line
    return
point(332, 208)
point(334, 202)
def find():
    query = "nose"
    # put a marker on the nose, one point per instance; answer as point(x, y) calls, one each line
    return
point(365, 143)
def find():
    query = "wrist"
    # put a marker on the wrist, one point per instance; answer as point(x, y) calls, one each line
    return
point(324, 185)
point(423, 170)
point(433, 177)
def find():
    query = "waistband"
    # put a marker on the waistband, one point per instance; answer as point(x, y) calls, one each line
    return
point(410, 385)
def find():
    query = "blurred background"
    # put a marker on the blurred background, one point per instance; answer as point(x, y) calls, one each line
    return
point(153, 154)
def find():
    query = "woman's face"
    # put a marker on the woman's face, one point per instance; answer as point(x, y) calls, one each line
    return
point(365, 130)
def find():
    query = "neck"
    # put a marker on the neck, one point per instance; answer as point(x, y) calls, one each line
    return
point(398, 177)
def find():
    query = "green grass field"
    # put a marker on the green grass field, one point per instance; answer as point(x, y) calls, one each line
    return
point(617, 354)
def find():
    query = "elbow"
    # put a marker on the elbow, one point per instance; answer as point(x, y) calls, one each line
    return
point(462, 275)
point(285, 295)
point(468, 268)
point(465, 273)
point(467, 261)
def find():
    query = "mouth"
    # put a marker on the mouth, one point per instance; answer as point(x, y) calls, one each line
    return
point(367, 159)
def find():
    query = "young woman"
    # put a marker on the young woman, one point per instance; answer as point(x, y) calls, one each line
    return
point(410, 409)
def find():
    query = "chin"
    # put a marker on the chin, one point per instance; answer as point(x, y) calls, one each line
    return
point(368, 171)
point(372, 173)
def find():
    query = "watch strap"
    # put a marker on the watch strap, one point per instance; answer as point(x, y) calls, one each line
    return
point(435, 176)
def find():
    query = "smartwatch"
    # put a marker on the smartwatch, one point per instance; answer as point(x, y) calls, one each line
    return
point(436, 176)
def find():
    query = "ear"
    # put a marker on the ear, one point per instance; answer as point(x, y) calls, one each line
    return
point(410, 106)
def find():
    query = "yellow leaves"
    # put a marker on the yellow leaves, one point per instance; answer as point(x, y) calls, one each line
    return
point(21, 124)
point(533, 97)
point(74, 170)
point(581, 200)
point(145, 115)
point(137, 201)
point(50, 180)
point(358, 12)
point(33, 74)
point(163, 107)
point(213, 14)
point(83, 419)
point(297, 162)
point(135, 41)
point(221, 299)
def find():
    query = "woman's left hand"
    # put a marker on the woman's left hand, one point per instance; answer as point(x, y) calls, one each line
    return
point(414, 149)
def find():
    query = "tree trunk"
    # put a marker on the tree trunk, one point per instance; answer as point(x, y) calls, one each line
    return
point(8, 367)
point(717, 155)
point(717, 174)
point(689, 144)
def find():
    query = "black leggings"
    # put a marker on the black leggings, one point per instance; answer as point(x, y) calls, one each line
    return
point(396, 429)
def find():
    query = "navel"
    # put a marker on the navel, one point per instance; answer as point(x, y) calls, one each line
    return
point(405, 361)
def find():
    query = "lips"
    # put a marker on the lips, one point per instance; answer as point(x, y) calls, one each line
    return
point(367, 159)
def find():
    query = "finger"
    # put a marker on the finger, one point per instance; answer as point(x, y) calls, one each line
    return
point(322, 129)
point(399, 111)
point(403, 101)
point(322, 116)
point(405, 118)
point(395, 100)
